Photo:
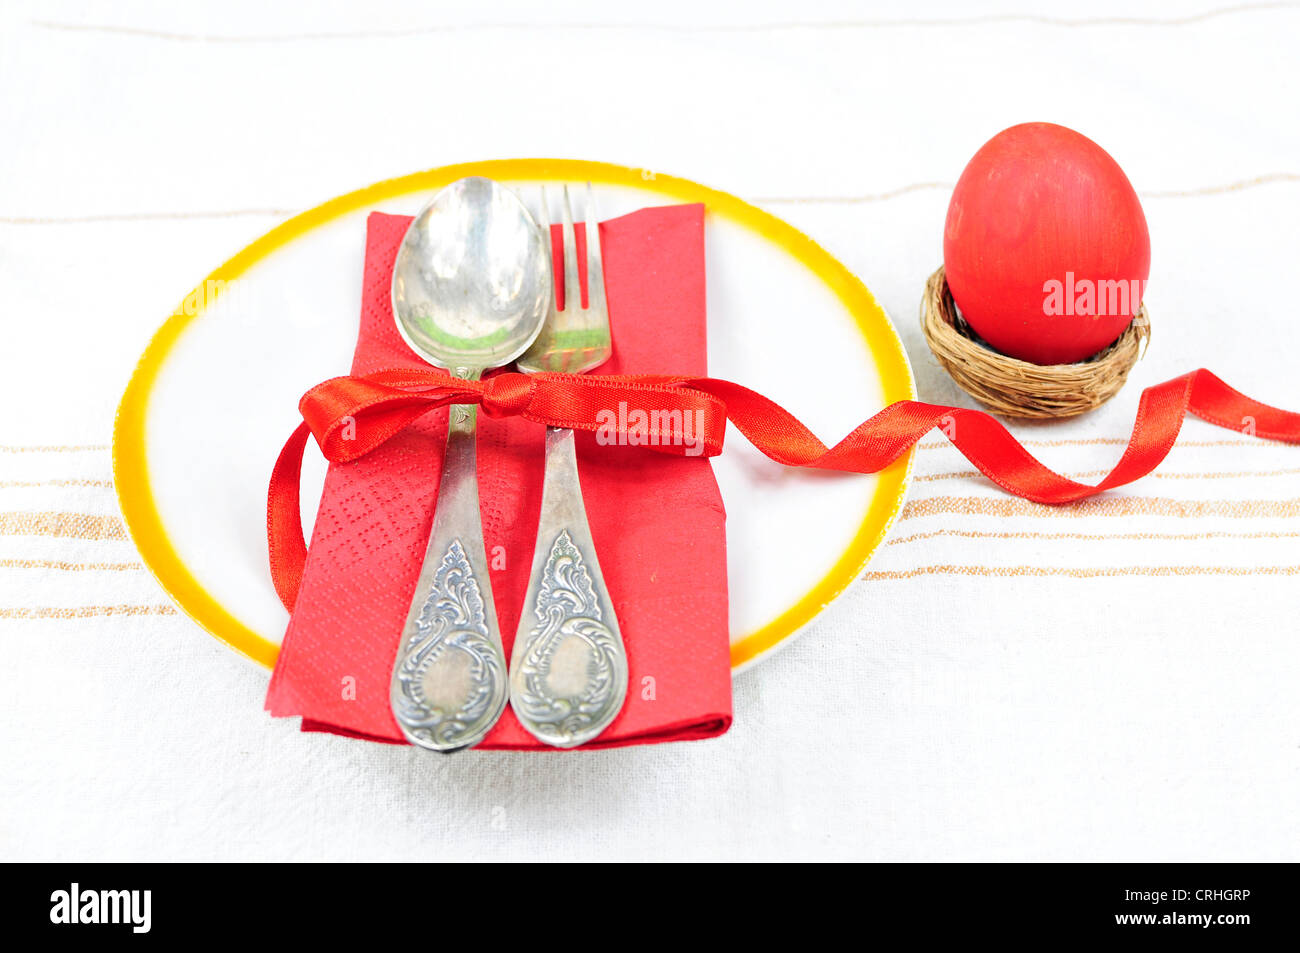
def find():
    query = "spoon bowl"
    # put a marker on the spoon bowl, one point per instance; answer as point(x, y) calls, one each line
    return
point(472, 280)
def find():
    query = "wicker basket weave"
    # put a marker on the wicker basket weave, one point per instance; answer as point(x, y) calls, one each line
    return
point(1018, 388)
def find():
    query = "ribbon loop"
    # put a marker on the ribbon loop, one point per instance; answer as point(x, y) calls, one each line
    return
point(349, 417)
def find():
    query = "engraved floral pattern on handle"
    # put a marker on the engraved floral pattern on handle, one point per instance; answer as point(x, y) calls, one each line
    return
point(568, 626)
point(450, 644)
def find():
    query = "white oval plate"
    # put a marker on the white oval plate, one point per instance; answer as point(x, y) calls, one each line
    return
point(215, 395)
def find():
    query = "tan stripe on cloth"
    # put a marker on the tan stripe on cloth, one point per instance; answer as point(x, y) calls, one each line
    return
point(24, 483)
point(977, 534)
point(79, 525)
point(1081, 573)
point(1087, 474)
point(54, 449)
point(1122, 506)
point(1114, 441)
point(57, 564)
point(84, 612)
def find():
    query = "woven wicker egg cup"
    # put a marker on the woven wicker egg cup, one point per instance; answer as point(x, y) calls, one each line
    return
point(1018, 388)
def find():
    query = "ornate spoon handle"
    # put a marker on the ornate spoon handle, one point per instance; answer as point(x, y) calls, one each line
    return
point(568, 670)
point(449, 680)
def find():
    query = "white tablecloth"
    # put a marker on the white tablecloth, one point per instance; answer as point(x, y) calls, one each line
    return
point(1116, 682)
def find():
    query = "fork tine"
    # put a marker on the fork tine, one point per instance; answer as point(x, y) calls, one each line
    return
point(544, 223)
point(572, 289)
point(595, 266)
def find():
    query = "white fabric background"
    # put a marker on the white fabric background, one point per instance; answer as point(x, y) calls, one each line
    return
point(1115, 684)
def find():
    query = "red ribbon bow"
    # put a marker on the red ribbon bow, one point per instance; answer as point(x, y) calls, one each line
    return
point(350, 416)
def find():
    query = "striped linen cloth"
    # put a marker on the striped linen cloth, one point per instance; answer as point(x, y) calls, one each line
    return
point(66, 551)
point(1112, 680)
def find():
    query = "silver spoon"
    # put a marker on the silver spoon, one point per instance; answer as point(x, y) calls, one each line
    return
point(471, 289)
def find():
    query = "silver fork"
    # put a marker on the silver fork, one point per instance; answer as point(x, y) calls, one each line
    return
point(568, 670)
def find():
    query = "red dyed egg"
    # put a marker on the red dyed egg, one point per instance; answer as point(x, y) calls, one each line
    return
point(1046, 248)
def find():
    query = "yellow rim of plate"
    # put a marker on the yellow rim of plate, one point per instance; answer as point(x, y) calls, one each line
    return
point(130, 458)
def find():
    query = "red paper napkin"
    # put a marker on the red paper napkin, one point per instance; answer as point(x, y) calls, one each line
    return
point(657, 520)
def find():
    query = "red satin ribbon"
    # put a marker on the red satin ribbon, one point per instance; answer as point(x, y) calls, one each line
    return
point(350, 416)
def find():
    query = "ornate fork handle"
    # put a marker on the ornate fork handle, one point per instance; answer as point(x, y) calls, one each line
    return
point(449, 682)
point(568, 670)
